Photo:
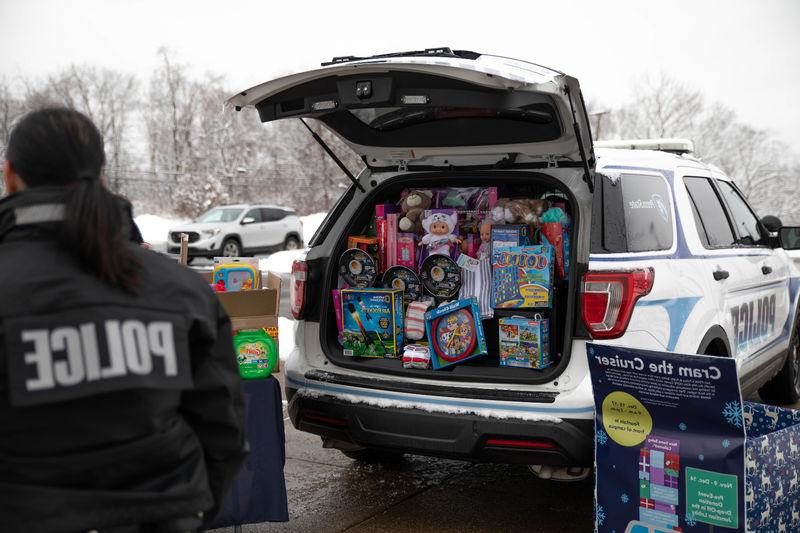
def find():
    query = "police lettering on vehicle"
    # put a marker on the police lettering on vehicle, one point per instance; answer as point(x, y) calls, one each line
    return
point(68, 361)
point(753, 322)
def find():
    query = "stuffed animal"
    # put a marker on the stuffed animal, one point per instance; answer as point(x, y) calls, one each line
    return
point(519, 210)
point(412, 205)
point(440, 231)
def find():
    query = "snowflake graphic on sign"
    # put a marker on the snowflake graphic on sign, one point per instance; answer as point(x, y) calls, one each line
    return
point(624, 498)
point(602, 437)
point(732, 412)
point(690, 521)
point(600, 515)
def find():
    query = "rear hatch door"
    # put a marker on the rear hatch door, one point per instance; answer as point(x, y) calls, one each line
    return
point(440, 109)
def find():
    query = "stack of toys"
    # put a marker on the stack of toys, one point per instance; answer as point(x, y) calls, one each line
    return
point(444, 265)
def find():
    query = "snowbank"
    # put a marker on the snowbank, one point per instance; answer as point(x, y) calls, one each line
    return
point(155, 228)
point(285, 337)
point(280, 262)
point(310, 225)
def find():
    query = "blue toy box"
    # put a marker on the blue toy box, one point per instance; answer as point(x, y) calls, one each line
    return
point(524, 342)
point(455, 333)
point(522, 277)
point(372, 322)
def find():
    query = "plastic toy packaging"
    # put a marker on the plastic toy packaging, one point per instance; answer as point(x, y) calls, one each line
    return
point(372, 322)
point(555, 232)
point(365, 243)
point(441, 232)
point(417, 356)
point(455, 333)
point(256, 353)
point(235, 274)
point(522, 277)
point(477, 282)
point(525, 342)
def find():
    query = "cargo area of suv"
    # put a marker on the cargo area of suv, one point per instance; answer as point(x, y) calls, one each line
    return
point(510, 184)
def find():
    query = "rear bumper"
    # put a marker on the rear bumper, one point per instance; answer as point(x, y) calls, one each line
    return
point(456, 436)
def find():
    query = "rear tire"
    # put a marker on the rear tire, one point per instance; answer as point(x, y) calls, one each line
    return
point(374, 456)
point(231, 248)
point(784, 388)
point(291, 243)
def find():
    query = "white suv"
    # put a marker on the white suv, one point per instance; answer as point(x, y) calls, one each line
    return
point(665, 255)
point(237, 230)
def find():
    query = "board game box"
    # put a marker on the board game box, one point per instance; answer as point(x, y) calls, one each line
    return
point(372, 322)
point(525, 342)
point(522, 277)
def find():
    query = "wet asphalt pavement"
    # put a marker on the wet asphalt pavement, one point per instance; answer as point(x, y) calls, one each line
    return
point(329, 492)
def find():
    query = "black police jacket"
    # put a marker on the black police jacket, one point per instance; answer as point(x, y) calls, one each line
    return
point(114, 408)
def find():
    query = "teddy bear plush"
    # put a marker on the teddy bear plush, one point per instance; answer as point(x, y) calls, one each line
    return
point(519, 210)
point(412, 206)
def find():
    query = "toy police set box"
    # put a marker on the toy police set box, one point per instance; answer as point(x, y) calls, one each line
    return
point(439, 266)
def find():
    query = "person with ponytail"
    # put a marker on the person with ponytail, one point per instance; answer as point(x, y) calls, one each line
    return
point(120, 401)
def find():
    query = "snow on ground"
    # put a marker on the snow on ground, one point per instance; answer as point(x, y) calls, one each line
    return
point(285, 337)
point(154, 228)
point(310, 225)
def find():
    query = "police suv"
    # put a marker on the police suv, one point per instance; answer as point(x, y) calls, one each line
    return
point(665, 255)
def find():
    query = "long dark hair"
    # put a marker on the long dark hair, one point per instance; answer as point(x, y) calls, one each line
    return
point(62, 147)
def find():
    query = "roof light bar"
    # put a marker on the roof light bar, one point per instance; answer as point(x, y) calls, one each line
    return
point(675, 146)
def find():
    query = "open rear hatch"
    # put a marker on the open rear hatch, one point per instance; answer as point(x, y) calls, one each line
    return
point(421, 108)
point(453, 115)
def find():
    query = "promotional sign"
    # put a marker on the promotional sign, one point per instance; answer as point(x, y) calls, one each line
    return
point(670, 439)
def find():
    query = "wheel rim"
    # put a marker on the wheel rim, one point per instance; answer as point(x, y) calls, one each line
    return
point(292, 244)
point(231, 249)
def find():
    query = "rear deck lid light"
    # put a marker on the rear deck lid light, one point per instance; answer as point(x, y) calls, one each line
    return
point(608, 299)
point(298, 288)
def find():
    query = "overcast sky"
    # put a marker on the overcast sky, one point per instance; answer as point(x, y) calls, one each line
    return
point(743, 53)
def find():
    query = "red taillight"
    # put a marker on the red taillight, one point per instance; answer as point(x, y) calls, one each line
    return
point(520, 443)
point(608, 298)
point(298, 289)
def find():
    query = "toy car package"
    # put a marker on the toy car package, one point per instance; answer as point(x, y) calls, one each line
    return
point(372, 322)
point(522, 277)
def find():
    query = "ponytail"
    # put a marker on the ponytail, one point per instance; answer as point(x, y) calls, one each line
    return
point(96, 230)
point(62, 147)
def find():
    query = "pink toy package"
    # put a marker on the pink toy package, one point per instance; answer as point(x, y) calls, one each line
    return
point(407, 250)
point(337, 308)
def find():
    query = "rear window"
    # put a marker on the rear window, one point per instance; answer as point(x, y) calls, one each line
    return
point(632, 214)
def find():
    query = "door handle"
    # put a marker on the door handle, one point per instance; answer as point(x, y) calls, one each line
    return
point(766, 270)
point(719, 275)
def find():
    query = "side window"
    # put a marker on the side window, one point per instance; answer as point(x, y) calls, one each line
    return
point(255, 214)
point(712, 221)
point(632, 214)
point(743, 218)
point(272, 215)
point(648, 213)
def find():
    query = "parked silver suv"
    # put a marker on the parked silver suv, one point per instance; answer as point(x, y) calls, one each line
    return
point(241, 229)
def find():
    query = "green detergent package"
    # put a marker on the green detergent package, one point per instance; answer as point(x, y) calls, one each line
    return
point(256, 353)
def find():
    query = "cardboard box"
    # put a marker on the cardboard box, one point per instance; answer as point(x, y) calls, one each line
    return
point(455, 333)
point(254, 309)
